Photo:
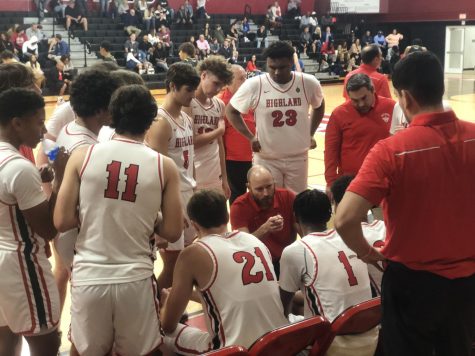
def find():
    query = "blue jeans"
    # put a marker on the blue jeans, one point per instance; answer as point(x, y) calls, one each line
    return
point(104, 7)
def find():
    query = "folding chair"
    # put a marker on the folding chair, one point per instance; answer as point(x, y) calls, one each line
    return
point(354, 320)
point(291, 339)
point(230, 351)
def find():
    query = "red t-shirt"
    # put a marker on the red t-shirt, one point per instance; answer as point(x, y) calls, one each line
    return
point(350, 135)
point(246, 213)
point(380, 82)
point(238, 148)
point(424, 178)
point(251, 67)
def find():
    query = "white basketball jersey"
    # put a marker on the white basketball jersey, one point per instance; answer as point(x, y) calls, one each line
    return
point(73, 136)
point(375, 234)
point(180, 147)
point(282, 117)
point(119, 200)
point(327, 272)
point(242, 301)
point(205, 119)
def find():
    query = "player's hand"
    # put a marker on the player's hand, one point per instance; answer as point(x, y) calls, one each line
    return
point(226, 189)
point(373, 256)
point(221, 127)
point(46, 173)
point(59, 164)
point(164, 293)
point(313, 143)
point(255, 145)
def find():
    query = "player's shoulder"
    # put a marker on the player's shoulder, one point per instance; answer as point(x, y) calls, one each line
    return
point(251, 83)
point(294, 249)
point(308, 78)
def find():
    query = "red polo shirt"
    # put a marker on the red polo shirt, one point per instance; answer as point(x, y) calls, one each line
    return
point(350, 135)
point(380, 82)
point(246, 213)
point(424, 176)
point(236, 145)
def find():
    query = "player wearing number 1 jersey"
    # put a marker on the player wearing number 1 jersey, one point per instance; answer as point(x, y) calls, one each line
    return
point(328, 273)
point(232, 272)
point(120, 187)
point(284, 131)
point(172, 135)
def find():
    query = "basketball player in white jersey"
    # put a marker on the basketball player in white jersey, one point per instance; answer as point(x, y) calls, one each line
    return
point(284, 131)
point(90, 95)
point(374, 232)
point(29, 300)
point(120, 187)
point(172, 135)
point(207, 112)
point(326, 271)
point(233, 274)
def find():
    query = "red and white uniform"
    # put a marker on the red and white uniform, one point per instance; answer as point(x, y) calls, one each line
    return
point(71, 137)
point(121, 182)
point(331, 278)
point(375, 234)
point(282, 124)
point(29, 300)
point(181, 150)
point(241, 301)
point(207, 162)
point(62, 115)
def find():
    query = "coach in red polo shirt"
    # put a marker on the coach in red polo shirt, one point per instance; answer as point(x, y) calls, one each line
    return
point(371, 57)
point(266, 212)
point(355, 127)
point(424, 178)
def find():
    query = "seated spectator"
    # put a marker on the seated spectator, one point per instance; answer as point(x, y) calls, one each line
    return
point(305, 20)
point(367, 39)
point(233, 34)
point(261, 36)
point(162, 19)
point(226, 50)
point(276, 12)
point(132, 23)
point(214, 46)
point(168, 10)
point(245, 28)
point(188, 10)
point(236, 301)
point(393, 39)
point(293, 8)
point(271, 19)
point(251, 66)
point(18, 37)
point(186, 52)
point(68, 69)
point(37, 71)
point(266, 212)
point(59, 8)
point(104, 51)
point(352, 64)
point(29, 48)
point(58, 47)
point(164, 36)
point(380, 40)
point(131, 45)
point(74, 15)
point(323, 268)
point(159, 57)
point(327, 36)
point(132, 62)
point(207, 32)
point(55, 82)
point(201, 10)
point(203, 46)
point(316, 43)
point(219, 34)
point(113, 11)
point(149, 18)
point(356, 50)
point(35, 30)
point(235, 57)
point(122, 9)
point(183, 16)
point(145, 48)
point(305, 39)
point(140, 6)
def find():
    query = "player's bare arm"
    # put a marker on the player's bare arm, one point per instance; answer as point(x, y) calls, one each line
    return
point(171, 225)
point(286, 298)
point(205, 138)
point(224, 174)
point(315, 119)
point(65, 212)
point(348, 219)
point(158, 135)
point(185, 276)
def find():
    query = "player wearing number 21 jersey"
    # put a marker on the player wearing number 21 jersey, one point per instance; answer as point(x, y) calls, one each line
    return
point(328, 273)
point(232, 271)
point(120, 186)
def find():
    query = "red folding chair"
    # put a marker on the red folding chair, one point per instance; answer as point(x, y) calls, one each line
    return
point(291, 339)
point(354, 320)
point(230, 351)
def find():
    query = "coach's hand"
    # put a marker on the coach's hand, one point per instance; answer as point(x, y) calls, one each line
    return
point(313, 143)
point(256, 146)
point(46, 173)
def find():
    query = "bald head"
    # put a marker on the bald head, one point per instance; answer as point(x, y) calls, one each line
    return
point(239, 77)
point(371, 55)
point(261, 186)
point(257, 172)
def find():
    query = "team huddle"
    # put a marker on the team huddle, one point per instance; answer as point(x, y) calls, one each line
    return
point(131, 177)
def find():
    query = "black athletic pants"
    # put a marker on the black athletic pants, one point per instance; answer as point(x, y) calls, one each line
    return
point(426, 314)
point(237, 177)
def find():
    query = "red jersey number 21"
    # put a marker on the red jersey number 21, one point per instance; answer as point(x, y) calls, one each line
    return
point(112, 192)
point(249, 261)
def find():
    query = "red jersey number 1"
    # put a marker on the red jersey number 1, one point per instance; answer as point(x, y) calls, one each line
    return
point(349, 270)
point(112, 192)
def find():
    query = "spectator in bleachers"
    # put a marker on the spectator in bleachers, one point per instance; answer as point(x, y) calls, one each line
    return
point(5, 43)
point(34, 30)
point(380, 40)
point(29, 48)
point(82, 6)
point(327, 36)
point(251, 66)
point(207, 32)
point(219, 34)
point(367, 39)
point(55, 82)
point(122, 9)
point(261, 36)
point(188, 10)
point(316, 42)
point(214, 46)
point(305, 39)
point(75, 15)
point(57, 47)
point(326, 19)
point(140, 6)
point(245, 28)
point(276, 12)
point(132, 23)
point(201, 10)
point(105, 52)
point(149, 18)
point(186, 52)
point(203, 46)
point(36, 69)
point(355, 50)
point(169, 11)
point(293, 8)
point(159, 57)
point(184, 17)
point(68, 69)
point(226, 50)
point(131, 45)
point(162, 19)
point(392, 40)
point(235, 57)
point(233, 34)
point(18, 38)
point(145, 48)
point(352, 64)
point(164, 36)
point(7, 57)
point(113, 11)
point(305, 20)
point(132, 62)
point(59, 8)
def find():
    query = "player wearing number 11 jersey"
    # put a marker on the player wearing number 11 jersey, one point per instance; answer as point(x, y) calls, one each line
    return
point(329, 274)
point(120, 187)
point(232, 271)
point(284, 131)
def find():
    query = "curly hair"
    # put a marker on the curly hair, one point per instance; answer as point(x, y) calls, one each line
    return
point(182, 74)
point(15, 75)
point(218, 66)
